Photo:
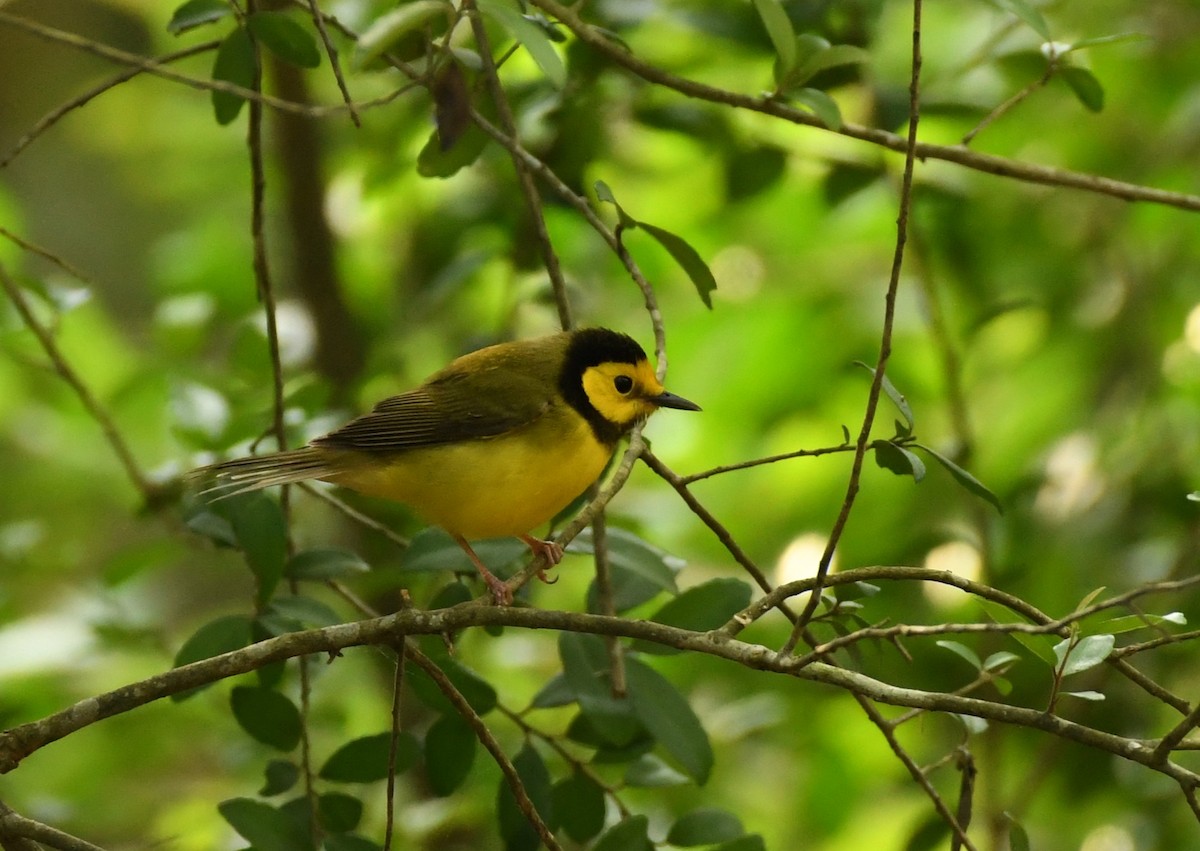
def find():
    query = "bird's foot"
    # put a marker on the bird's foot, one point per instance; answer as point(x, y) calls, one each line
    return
point(501, 593)
point(550, 551)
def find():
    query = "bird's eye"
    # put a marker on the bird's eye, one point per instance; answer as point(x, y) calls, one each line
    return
point(623, 383)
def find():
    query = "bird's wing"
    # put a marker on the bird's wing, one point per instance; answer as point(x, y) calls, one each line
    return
point(454, 406)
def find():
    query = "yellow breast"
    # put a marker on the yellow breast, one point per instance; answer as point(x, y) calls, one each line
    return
point(498, 487)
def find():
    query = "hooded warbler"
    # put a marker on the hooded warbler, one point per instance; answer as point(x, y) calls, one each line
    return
point(493, 445)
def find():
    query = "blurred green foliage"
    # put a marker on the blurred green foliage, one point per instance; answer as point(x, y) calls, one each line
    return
point(1046, 339)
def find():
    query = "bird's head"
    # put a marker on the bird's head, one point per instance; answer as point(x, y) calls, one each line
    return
point(608, 378)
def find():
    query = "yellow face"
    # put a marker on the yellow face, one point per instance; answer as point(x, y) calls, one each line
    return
point(622, 392)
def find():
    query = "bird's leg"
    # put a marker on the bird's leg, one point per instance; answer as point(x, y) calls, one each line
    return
point(551, 551)
point(501, 593)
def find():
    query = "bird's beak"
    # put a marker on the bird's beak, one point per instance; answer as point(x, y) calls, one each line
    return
point(670, 400)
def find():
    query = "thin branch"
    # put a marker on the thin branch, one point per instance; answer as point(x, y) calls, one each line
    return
point(889, 735)
point(769, 459)
point(393, 746)
point(19, 833)
point(885, 342)
point(723, 534)
point(533, 200)
point(334, 63)
point(54, 116)
point(524, 804)
point(581, 205)
point(156, 67)
point(150, 492)
point(957, 154)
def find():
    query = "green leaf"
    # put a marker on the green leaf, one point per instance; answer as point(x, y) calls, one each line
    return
point(450, 748)
point(1086, 653)
point(819, 104)
point(263, 826)
point(348, 842)
point(1130, 623)
point(705, 826)
point(1000, 660)
point(964, 478)
point(897, 459)
point(750, 842)
point(477, 691)
point(387, 31)
point(632, 834)
point(587, 670)
point(365, 759)
point(1085, 695)
point(1018, 839)
point(320, 565)
point(815, 54)
point(262, 536)
point(436, 161)
point(532, 37)
point(579, 806)
point(1099, 41)
point(1024, 12)
point(195, 13)
point(629, 552)
point(223, 635)
point(604, 193)
point(929, 835)
point(650, 771)
point(688, 258)
point(783, 37)
point(267, 716)
point(293, 613)
point(898, 398)
point(287, 39)
point(963, 651)
point(338, 812)
point(235, 63)
point(1085, 86)
point(432, 549)
point(281, 775)
point(704, 607)
point(973, 724)
point(556, 692)
point(516, 830)
point(666, 714)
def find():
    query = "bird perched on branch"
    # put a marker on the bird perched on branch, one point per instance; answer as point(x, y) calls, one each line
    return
point(494, 445)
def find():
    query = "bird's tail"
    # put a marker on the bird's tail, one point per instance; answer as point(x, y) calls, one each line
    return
point(256, 472)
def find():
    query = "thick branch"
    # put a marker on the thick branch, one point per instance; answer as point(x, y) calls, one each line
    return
point(19, 742)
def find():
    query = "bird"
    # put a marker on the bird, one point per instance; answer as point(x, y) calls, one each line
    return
point(493, 445)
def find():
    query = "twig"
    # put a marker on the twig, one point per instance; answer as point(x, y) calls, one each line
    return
point(319, 22)
point(150, 492)
point(19, 833)
point(885, 343)
point(55, 115)
point(524, 804)
point(155, 67)
point(769, 459)
point(889, 735)
point(604, 594)
point(529, 190)
point(723, 534)
point(393, 744)
point(354, 514)
point(957, 154)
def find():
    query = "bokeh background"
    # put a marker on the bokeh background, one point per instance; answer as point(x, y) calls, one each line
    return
point(1047, 339)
